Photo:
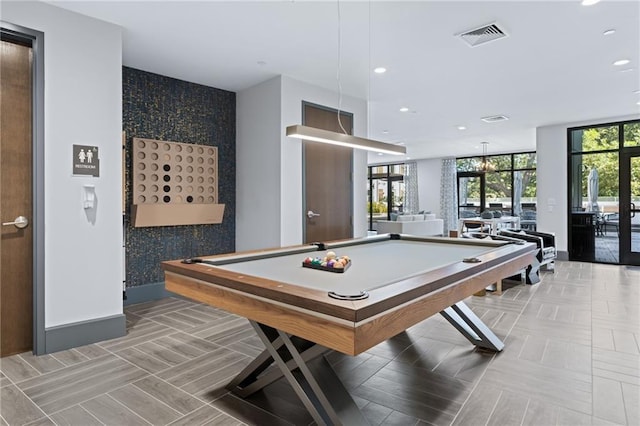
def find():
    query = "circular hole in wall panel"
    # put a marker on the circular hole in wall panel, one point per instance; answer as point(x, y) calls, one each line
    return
point(210, 170)
point(167, 157)
point(141, 144)
point(166, 188)
point(200, 179)
point(200, 189)
point(154, 167)
point(200, 170)
point(189, 199)
point(189, 189)
point(178, 188)
point(141, 199)
point(179, 169)
point(166, 146)
point(154, 198)
point(154, 156)
point(178, 199)
point(166, 178)
point(142, 166)
point(141, 155)
point(211, 151)
point(154, 178)
point(189, 169)
point(154, 145)
point(210, 161)
point(154, 188)
point(178, 178)
point(211, 190)
point(189, 179)
point(178, 158)
point(166, 199)
point(201, 199)
point(211, 180)
point(200, 160)
point(166, 167)
point(189, 149)
point(189, 159)
point(200, 150)
point(178, 148)
point(210, 199)
point(141, 177)
point(142, 188)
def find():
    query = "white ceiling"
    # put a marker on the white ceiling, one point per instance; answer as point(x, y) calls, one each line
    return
point(555, 66)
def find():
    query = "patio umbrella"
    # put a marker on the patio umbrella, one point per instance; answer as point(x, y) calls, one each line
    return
point(592, 190)
point(517, 193)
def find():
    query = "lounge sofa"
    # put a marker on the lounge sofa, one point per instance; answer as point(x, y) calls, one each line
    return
point(545, 241)
point(424, 225)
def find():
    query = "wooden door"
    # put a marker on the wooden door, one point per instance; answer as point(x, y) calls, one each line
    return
point(328, 186)
point(16, 244)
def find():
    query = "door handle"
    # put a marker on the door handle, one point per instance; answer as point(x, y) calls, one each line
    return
point(311, 214)
point(633, 210)
point(19, 222)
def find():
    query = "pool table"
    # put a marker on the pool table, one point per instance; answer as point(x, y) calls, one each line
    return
point(393, 282)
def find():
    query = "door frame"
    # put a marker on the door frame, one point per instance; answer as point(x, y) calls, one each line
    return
point(19, 34)
point(483, 181)
point(627, 257)
point(304, 180)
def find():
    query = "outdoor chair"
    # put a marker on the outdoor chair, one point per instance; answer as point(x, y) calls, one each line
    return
point(610, 220)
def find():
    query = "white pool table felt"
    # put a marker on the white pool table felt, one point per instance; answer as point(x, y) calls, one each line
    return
point(373, 265)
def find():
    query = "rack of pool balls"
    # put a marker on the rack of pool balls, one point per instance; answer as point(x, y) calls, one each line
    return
point(330, 263)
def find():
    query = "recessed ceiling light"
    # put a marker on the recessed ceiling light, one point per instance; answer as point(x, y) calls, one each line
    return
point(621, 62)
point(462, 128)
point(408, 158)
point(638, 103)
point(589, 2)
point(627, 70)
point(404, 109)
point(380, 70)
point(380, 153)
point(609, 32)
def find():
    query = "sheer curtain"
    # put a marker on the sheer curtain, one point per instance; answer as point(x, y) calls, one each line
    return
point(411, 188)
point(449, 195)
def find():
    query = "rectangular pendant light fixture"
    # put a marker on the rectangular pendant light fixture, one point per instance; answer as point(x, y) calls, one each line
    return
point(334, 138)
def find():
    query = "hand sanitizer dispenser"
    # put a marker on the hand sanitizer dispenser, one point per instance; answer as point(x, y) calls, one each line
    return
point(89, 196)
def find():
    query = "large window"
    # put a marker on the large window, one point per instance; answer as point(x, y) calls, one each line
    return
point(385, 192)
point(604, 188)
point(505, 182)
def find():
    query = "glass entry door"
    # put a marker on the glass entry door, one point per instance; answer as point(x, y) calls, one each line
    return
point(630, 206)
point(471, 186)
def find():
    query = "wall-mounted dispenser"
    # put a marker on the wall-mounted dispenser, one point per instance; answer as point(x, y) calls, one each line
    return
point(89, 196)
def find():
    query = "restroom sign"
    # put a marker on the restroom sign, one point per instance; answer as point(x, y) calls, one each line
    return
point(86, 161)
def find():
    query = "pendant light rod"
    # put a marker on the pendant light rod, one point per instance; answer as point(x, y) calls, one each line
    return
point(334, 138)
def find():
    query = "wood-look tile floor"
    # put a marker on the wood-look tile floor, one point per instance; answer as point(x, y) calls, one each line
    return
point(572, 357)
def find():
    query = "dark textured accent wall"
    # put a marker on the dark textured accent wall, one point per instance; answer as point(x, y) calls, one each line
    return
point(158, 107)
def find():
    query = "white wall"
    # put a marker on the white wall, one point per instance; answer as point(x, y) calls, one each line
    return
point(429, 176)
point(83, 105)
point(551, 147)
point(262, 117)
point(258, 169)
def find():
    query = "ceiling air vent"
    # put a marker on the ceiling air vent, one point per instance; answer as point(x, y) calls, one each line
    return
point(482, 35)
point(494, 118)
